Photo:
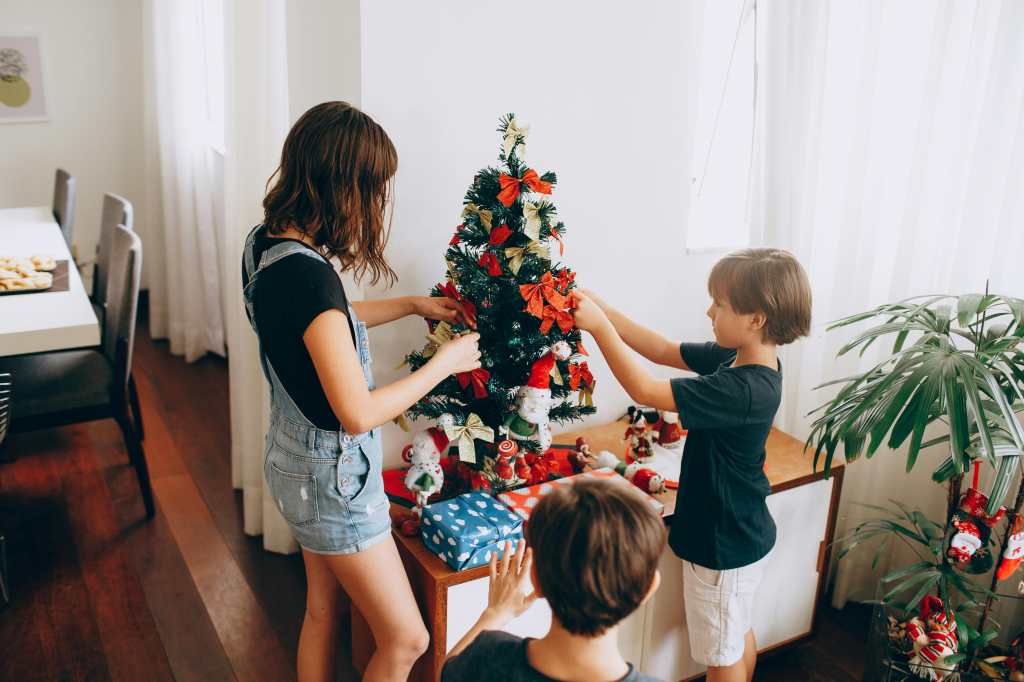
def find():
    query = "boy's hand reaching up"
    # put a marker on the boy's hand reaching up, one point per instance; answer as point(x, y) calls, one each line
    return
point(588, 314)
point(506, 598)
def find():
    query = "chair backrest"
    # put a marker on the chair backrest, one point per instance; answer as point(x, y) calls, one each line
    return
point(122, 301)
point(64, 203)
point(6, 389)
point(116, 211)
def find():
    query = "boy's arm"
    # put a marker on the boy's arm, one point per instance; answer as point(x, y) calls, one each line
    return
point(505, 598)
point(635, 379)
point(643, 340)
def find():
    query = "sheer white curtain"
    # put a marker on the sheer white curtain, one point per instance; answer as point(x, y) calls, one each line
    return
point(257, 112)
point(893, 166)
point(185, 277)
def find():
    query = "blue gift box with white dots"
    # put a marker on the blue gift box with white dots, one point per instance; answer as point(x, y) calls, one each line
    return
point(464, 531)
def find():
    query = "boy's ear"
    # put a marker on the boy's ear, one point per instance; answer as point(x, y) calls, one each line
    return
point(758, 320)
point(533, 579)
point(655, 584)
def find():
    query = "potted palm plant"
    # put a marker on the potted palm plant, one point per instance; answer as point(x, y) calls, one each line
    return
point(956, 361)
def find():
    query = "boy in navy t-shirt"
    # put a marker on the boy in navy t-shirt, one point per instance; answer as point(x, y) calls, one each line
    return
point(722, 528)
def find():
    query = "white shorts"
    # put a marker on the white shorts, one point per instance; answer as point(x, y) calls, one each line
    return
point(720, 610)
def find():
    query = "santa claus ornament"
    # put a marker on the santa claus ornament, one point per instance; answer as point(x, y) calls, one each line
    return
point(425, 475)
point(668, 433)
point(530, 421)
point(970, 529)
point(638, 437)
point(581, 457)
point(642, 477)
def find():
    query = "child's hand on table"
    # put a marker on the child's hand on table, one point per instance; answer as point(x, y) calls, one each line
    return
point(588, 315)
point(506, 597)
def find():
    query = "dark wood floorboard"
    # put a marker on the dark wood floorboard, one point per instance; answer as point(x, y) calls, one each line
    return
point(101, 594)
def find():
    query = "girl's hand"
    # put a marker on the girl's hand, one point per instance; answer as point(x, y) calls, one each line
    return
point(461, 354)
point(588, 316)
point(507, 597)
point(598, 301)
point(441, 308)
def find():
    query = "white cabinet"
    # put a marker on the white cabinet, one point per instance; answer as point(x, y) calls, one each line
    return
point(784, 610)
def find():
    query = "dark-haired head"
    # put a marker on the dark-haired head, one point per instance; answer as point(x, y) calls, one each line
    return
point(333, 184)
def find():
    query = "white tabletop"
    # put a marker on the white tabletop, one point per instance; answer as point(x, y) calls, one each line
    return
point(49, 320)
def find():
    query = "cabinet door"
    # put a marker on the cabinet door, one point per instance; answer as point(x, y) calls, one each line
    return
point(785, 603)
point(784, 608)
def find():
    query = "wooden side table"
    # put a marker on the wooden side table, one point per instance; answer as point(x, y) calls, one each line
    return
point(803, 503)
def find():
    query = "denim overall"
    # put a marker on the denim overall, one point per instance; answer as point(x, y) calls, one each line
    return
point(327, 484)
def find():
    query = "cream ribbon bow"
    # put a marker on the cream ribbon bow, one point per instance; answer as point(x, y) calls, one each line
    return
point(512, 135)
point(515, 255)
point(533, 213)
point(472, 429)
point(482, 214)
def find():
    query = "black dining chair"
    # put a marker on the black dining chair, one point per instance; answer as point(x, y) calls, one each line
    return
point(72, 386)
point(116, 211)
point(6, 389)
point(64, 203)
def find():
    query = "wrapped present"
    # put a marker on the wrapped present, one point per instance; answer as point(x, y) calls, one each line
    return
point(523, 500)
point(465, 530)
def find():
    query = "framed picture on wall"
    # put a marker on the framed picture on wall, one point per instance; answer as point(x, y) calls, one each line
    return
point(22, 87)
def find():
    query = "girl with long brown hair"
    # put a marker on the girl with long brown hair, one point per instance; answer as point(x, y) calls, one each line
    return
point(328, 199)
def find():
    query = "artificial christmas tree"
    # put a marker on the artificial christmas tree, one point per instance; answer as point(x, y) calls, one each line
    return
point(501, 267)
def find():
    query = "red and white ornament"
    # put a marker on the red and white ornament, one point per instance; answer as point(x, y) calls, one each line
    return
point(425, 476)
point(669, 433)
point(935, 640)
point(1014, 552)
point(507, 450)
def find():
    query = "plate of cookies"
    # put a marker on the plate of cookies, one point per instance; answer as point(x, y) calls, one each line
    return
point(22, 275)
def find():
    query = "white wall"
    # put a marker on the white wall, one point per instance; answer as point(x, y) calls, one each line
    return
point(604, 88)
point(92, 56)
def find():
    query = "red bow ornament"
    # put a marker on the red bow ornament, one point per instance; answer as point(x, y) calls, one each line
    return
point(536, 294)
point(449, 290)
point(499, 235)
point(551, 315)
point(477, 378)
point(511, 186)
point(580, 373)
point(489, 262)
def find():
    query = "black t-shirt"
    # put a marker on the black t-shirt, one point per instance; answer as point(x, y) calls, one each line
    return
point(497, 656)
point(288, 296)
point(721, 519)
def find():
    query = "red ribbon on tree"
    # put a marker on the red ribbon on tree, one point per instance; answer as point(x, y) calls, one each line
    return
point(511, 186)
point(478, 378)
point(564, 279)
point(449, 290)
point(580, 372)
point(490, 262)
point(580, 349)
point(536, 294)
point(499, 235)
point(561, 244)
point(551, 315)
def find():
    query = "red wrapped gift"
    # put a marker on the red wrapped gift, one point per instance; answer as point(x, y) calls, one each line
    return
point(523, 500)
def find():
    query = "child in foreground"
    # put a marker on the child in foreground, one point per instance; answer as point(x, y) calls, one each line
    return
point(593, 554)
point(722, 528)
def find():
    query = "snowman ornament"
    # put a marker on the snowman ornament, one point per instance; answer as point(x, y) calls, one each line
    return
point(530, 421)
point(425, 476)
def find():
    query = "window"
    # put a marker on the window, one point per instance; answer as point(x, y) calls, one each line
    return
point(723, 152)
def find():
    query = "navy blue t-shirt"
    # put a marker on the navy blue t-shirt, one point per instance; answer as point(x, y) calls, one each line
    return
point(721, 519)
point(496, 656)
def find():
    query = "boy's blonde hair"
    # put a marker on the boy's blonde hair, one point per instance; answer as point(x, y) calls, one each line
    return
point(768, 281)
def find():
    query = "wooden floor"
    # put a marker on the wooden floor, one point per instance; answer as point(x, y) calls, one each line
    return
point(99, 593)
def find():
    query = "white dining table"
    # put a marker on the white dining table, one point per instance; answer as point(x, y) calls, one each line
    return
point(46, 320)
